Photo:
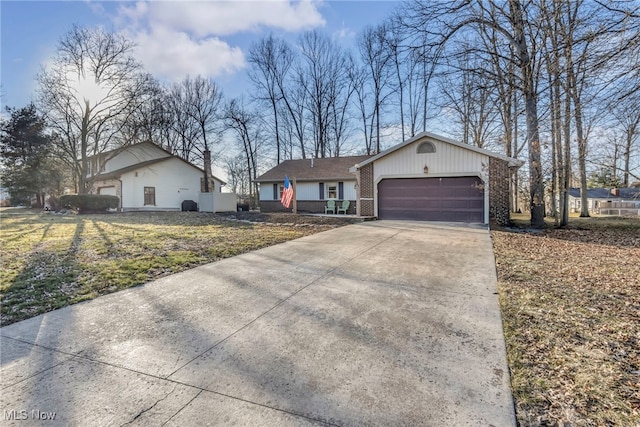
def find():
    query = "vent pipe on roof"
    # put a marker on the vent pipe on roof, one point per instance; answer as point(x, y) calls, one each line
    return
point(312, 162)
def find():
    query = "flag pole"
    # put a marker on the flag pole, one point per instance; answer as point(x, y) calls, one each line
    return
point(295, 200)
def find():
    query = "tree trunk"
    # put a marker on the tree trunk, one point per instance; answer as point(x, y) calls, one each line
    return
point(536, 185)
point(567, 162)
point(582, 161)
point(207, 170)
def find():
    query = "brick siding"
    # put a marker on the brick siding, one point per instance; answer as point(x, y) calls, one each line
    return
point(304, 206)
point(366, 190)
point(499, 191)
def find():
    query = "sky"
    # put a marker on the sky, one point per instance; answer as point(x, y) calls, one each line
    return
point(173, 38)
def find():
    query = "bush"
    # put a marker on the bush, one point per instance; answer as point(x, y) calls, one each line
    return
point(53, 204)
point(89, 202)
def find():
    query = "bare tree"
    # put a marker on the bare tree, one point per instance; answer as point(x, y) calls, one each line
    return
point(204, 100)
point(627, 119)
point(245, 125)
point(89, 92)
point(376, 58)
point(271, 59)
point(322, 64)
point(357, 76)
point(469, 93)
point(237, 175)
point(512, 23)
point(183, 129)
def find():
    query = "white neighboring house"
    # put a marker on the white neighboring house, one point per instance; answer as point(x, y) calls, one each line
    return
point(5, 197)
point(147, 177)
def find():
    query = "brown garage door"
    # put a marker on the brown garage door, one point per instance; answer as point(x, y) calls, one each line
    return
point(459, 199)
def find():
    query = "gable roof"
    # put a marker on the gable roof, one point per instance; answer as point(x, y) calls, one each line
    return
point(606, 193)
point(117, 173)
point(323, 169)
point(118, 150)
point(427, 135)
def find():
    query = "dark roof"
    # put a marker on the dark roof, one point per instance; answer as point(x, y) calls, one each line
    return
point(324, 169)
point(118, 172)
point(607, 193)
point(629, 193)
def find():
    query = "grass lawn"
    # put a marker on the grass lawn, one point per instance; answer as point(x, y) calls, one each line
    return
point(51, 261)
point(570, 298)
point(570, 302)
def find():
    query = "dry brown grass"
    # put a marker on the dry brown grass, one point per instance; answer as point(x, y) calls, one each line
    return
point(570, 302)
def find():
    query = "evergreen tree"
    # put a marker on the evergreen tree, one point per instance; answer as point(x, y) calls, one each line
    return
point(29, 169)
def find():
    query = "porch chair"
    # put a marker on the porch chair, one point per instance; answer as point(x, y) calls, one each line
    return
point(331, 206)
point(344, 208)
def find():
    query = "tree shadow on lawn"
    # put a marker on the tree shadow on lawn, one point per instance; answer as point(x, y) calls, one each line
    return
point(46, 282)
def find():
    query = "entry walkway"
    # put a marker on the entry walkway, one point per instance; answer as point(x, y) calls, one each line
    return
point(379, 323)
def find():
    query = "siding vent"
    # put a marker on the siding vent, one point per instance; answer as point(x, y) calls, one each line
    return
point(426, 147)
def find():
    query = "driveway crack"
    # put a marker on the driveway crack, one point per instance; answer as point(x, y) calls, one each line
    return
point(151, 407)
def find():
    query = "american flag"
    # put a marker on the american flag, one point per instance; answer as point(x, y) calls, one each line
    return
point(287, 194)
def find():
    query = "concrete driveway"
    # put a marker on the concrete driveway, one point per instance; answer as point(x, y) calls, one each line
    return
point(381, 323)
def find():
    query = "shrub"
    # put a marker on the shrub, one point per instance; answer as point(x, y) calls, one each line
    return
point(89, 202)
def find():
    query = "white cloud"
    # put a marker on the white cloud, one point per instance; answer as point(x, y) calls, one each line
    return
point(205, 18)
point(172, 54)
point(176, 38)
point(344, 33)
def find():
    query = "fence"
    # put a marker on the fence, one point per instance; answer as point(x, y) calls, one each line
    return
point(218, 202)
point(619, 208)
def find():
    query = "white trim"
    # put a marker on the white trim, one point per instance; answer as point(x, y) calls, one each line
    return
point(427, 135)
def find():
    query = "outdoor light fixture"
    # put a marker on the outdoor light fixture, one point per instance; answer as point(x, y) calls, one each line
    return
point(426, 169)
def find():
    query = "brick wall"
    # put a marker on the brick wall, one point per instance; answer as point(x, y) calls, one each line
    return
point(499, 191)
point(304, 206)
point(366, 190)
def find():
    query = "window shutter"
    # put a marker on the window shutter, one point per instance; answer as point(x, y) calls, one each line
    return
point(321, 191)
point(275, 191)
point(341, 190)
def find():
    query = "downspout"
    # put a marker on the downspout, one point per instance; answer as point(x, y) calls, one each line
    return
point(120, 203)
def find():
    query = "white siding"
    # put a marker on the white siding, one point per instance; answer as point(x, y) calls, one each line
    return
point(132, 155)
point(350, 190)
point(174, 181)
point(308, 190)
point(266, 191)
point(448, 160)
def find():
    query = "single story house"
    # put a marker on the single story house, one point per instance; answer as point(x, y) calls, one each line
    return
point(432, 178)
point(426, 178)
point(147, 177)
point(600, 199)
point(317, 180)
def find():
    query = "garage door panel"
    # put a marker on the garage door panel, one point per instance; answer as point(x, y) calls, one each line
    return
point(458, 199)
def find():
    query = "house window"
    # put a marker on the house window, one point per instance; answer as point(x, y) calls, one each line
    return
point(150, 196)
point(331, 191)
point(281, 191)
point(426, 147)
point(275, 191)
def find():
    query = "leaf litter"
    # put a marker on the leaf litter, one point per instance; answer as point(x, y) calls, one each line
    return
point(570, 301)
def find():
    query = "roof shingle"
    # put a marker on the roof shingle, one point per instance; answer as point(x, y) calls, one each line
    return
point(323, 169)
